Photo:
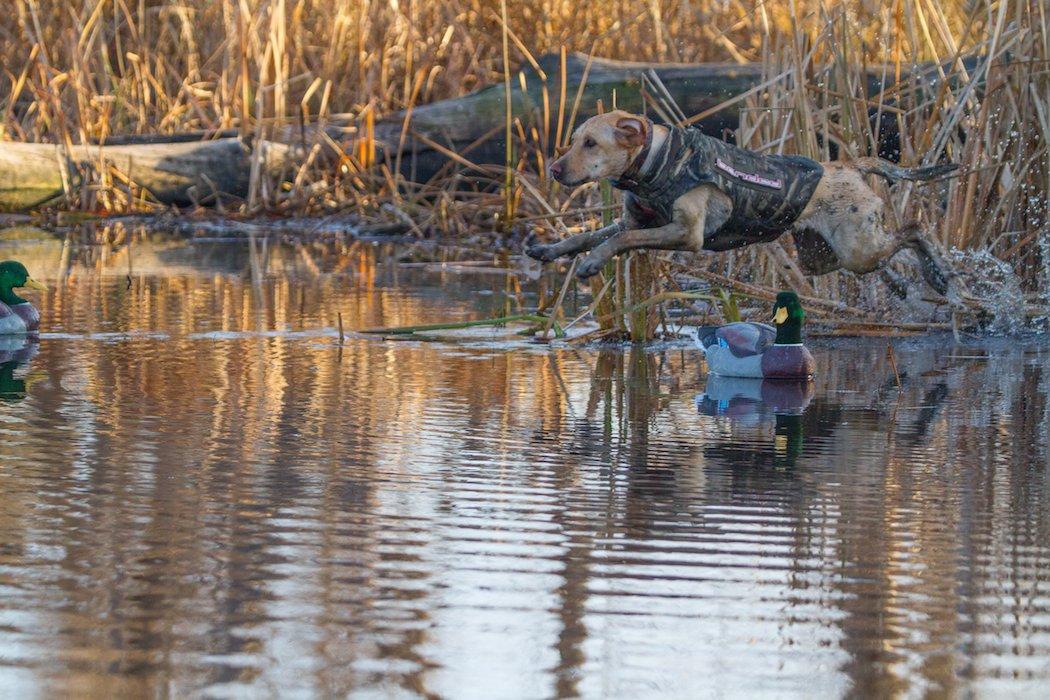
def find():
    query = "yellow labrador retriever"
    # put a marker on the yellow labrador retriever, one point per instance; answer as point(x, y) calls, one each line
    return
point(688, 191)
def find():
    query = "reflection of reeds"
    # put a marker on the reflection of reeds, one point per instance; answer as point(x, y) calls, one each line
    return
point(285, 296)
point(267, 285)
point(254, 66)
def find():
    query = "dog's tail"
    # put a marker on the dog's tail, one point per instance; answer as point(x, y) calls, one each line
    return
point(893, 173)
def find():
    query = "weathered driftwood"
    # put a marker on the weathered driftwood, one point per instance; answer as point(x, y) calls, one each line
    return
point(33, 174)
point(173, 169)
point(177, 171)
point(461, 123)
point(473, 121)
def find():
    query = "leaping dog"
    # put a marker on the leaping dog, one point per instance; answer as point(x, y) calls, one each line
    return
point(688, 191)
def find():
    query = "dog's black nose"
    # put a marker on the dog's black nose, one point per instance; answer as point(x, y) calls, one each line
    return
point(555, 170)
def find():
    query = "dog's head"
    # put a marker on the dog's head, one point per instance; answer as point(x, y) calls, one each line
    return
point(603, 147)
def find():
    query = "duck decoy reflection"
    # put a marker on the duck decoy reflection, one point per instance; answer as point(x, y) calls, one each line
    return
point(15, 352)
point(751, 402)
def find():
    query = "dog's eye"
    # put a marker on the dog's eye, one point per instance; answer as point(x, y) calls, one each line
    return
point(589, 143)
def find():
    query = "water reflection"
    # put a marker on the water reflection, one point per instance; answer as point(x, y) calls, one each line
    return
point(754, 401)
point(16, 352)
point(191, 506)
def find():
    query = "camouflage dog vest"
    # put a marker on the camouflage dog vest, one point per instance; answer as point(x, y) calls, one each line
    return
point(768, 192)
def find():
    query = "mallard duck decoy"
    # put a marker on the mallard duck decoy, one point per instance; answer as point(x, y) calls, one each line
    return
point(746, 349)
point(17, 315)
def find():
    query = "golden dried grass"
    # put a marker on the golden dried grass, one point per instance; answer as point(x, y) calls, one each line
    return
point(83, 71)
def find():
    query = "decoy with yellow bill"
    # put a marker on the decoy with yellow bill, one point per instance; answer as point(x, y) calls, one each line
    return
point(758, 350)
point(17, 315)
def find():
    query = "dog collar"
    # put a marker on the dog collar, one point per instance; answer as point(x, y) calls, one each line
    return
point(631, 177)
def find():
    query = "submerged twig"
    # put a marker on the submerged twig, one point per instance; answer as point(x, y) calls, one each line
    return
point(455, 325)
point(893, 364)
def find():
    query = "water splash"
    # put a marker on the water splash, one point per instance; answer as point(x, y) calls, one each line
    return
point(1041, 323)
point(995, 284)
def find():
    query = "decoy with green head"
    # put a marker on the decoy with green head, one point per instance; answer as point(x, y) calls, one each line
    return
point(747, 349)
point(17, 315)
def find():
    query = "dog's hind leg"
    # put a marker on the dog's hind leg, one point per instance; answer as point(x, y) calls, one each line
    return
point(896, 284)
point(842, 226)
point(935, 269)
point(932, 263)
point(573, 244)
point(848, 216)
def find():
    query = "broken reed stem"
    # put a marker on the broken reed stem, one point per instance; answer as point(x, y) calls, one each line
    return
point(556, 309)
point(893, 364)
point(813, 305)
point(508, 134)
point(456, 325)
point(593, 305)
point(661, 298)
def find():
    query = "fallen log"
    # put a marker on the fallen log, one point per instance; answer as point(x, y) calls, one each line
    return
point(697, 89)
point(34, 174)
point(458, 123)
point(180, 172)
point(461, 121)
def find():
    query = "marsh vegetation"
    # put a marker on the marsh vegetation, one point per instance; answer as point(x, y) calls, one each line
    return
point(97, 71)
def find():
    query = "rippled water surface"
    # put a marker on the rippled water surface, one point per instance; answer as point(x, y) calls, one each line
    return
point(202, 493)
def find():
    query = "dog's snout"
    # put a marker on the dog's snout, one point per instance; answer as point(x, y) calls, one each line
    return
point(556, 169)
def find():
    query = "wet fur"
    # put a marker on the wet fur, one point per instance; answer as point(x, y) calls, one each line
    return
point(841, 228)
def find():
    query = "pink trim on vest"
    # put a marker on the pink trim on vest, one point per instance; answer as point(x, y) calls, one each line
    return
point(749, 177)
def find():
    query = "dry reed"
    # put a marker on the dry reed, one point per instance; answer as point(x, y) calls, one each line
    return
point(88, 70)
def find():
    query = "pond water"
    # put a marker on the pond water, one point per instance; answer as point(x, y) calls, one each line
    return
point(202, 493)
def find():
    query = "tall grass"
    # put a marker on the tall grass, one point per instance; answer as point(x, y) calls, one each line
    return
point(991, 114)
point(89, 69)
point(130, 66)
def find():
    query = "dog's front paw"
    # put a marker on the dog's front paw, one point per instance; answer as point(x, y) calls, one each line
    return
point(589, 267)
point(541, 252)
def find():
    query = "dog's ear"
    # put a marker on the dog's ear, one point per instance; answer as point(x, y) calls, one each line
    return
point(630, 131)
